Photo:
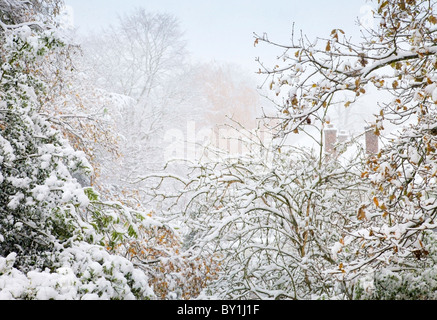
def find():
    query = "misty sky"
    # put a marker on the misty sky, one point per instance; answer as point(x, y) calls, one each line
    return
point(222, 30)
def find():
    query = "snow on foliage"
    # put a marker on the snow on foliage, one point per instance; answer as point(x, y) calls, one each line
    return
point(397, 59)
point(308, 225)
point(82, 271)
point(269, 219)
point(53, 230)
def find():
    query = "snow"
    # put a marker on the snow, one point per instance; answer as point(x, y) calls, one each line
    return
point(81, 198)
point(7, 150)
point(15, 200)
point(24, 32)
point(41, 192)
point(413, 155)
point(22, 183)
point(70, 281)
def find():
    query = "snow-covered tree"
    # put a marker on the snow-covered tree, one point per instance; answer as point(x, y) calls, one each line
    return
point(57, 237)
point(268, 217)
point(397, 60)
point(304, 225)
point(31, 12)
point(137, 55)
point(141, 57)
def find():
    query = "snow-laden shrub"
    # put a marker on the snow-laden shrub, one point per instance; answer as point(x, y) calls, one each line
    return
point(417, 283)
point(38, 197)
point(52, 229)
point(82, 271)
point(269, 219)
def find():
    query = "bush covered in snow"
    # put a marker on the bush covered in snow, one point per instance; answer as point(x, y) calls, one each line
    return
point(52, 229)
point(81, 271)
point(418, 282)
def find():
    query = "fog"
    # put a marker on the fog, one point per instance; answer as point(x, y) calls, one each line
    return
point(218, 35)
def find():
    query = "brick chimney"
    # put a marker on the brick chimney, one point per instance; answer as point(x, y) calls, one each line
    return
point(330, 138)
point(342, 136)
point(372, 146)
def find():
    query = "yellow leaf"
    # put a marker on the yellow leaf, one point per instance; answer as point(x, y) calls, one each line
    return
point(328, 46)
point(377, 132)
point(384, 4)
point(361, 214)
point(376, 202)
point(357, 82)
point(334, 34)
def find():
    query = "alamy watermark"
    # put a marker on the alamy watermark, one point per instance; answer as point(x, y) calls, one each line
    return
point(195, 142)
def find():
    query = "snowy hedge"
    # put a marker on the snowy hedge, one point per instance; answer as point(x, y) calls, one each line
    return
point(53, 231)
point(82, 271)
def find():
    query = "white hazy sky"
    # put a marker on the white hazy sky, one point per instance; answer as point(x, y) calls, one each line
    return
point(222, 30)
